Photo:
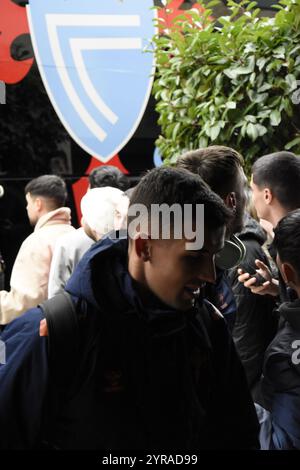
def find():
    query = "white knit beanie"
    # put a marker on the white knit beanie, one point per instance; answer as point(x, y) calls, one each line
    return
point(104, 209)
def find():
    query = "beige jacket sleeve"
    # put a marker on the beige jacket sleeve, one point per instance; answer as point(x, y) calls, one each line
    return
point(29, 279)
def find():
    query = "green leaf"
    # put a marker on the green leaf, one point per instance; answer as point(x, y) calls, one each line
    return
point(264, 87)
point(256, 130)
point(219, 100)
point(218, 80)
point(260, 97)
point(292, 143)
point(279, 53)
point(175, 130)
point(215, 131)
point(250, 118)
point(265, 113)
point(231, 105)
point(206, 72)
point(212, 3)
point(295, 49)
point(252, 78)
point(257, 97)
point(203, 141)
point(234, 72)
point(274, 101)
point(244, 129)
point(291, 81)
point(173, 159)
point(250, 47)
point(252, 131)
point(262, 130)
point(165, 95)
point(275, 117)
point(221, 61)
point(274, 65)
point(286, 105)
point(251, 5)
point(261, 62)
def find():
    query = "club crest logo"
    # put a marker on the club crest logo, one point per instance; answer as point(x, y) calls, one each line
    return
point(92, 61)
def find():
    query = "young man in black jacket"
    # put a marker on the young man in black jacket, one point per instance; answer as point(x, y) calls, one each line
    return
point(256, 321)
point(222, 169)
point(275, 185)
point(280, 384)
point(154, 366)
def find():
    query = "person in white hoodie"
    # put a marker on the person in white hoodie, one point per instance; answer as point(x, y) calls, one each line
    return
point(103, 210)
point(70, 248)
point(46, 197)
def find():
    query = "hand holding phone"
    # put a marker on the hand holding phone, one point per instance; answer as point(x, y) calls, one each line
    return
point(258, 283)
point(260, 280)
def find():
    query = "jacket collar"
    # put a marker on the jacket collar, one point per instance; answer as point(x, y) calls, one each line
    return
point(291, 312)
point(62, 215)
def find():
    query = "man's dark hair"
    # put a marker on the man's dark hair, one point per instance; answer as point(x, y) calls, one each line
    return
point(50, 187)
point(108, 175)
point(287, 239)
point(170, 186)
point(217, 165)
point(280, 172)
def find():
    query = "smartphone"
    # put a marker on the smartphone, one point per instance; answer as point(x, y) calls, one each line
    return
point(260, 280)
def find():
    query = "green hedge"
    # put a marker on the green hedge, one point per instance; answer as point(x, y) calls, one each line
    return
point(229, 81)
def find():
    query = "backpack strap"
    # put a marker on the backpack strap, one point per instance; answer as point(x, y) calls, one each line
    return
point(63, 337)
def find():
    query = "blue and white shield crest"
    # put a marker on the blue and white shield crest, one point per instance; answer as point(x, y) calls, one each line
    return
point(91, 58)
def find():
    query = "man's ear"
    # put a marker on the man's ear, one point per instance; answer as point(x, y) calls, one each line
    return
point(230, 201)
point(143, 248)
point(268, 196)
point(38, 202)
point(289, 274)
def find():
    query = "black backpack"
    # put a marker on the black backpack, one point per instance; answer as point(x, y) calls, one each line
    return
point(61, 313)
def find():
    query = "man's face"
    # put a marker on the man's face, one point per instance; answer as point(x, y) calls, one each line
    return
point(173, 273)
point(31, 209)
point(241, 198)
point(258, 199)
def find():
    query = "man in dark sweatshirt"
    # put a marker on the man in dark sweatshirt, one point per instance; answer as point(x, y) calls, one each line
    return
point(154, 366)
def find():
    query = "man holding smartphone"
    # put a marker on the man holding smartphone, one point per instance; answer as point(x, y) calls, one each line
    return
point(275, 183)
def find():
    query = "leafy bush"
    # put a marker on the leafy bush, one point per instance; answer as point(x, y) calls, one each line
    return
point(230, 81)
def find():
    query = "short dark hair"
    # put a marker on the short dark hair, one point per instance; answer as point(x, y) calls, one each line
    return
point(287, 239)
point(108, 175)
point(50, 187)
point(217, 165)
point(280, 172)
point(166, 185)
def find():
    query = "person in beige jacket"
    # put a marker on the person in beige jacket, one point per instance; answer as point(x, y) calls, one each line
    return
point(46, 196)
